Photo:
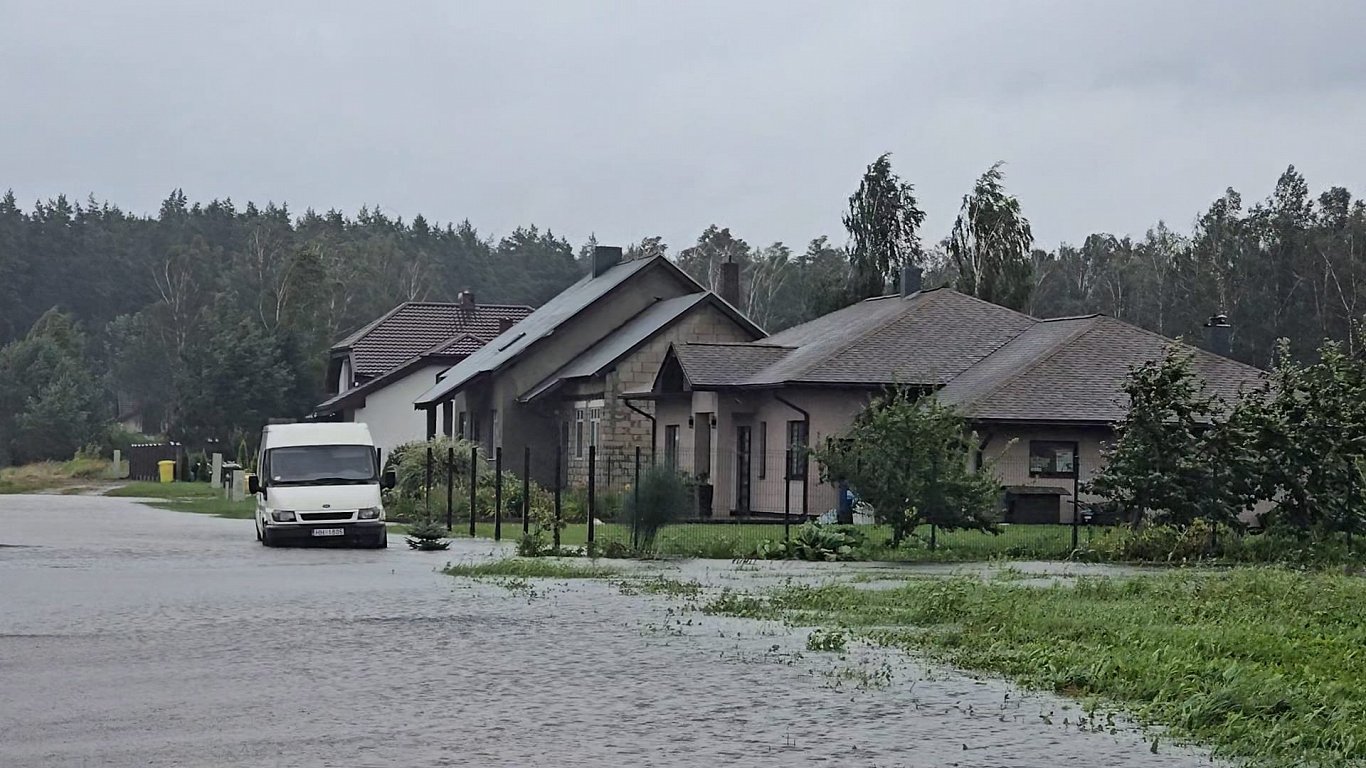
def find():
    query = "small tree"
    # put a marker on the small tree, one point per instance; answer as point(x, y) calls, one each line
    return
point(664, 498)
point(910, 459)
point(1181, 455)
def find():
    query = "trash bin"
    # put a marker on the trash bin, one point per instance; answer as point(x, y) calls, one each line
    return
point(167, 470)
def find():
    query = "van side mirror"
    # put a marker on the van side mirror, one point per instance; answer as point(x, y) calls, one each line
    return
point(390, 480)
point(253, 485)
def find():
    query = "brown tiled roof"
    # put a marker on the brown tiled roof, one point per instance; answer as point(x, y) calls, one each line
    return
point(925, 339)
point(991, 362)
point(1075, 370)
point(415, 329)
point(726, 364)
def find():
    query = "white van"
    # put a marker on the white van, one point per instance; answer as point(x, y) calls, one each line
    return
point(319, 482)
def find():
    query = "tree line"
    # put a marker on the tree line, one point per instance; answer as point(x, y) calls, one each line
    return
point(210, 317)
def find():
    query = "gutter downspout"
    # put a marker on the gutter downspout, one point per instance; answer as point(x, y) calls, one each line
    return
point(806, 473)
point(654, 426)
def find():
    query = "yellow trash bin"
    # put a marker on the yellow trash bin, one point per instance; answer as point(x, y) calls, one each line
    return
point(167, 470)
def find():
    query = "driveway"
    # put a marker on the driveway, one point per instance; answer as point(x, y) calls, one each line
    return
point(131, 636)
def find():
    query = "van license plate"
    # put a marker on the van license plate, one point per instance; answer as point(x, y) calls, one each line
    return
point(329, 532)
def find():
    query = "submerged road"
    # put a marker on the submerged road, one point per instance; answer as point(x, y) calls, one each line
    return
point(131, 636)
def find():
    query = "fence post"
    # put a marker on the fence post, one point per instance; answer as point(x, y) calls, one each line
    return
point(559, 455)
point(592, 490)
point(450, 487)
point(526, 490)
point(498, 493)
point(474, 483)
point(635, 506)
point(428, 494)
point(787, 495)
point(934, 531)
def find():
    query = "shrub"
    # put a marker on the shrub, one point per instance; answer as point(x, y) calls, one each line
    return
point(813, 542)
point(427, 536)
point(661, 498)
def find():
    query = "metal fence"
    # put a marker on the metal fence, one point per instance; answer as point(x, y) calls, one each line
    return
point(739, 503)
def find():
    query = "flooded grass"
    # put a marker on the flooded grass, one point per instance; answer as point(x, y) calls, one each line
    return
point(1264, 665)
point(199, 498)
point(530, 568)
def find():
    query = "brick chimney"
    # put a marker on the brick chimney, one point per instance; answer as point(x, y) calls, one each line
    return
point(1220, 335)
point(604, 258)
point(911, 280)
point(730, 284)
point(466, 300)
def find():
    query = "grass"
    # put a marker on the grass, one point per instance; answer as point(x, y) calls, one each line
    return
point(530, 568)
point(53, 475)
point(199, 498)
point(729, 541)
point(1265, 665)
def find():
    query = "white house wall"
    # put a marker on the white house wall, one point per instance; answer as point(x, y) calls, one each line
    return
point(389, 410)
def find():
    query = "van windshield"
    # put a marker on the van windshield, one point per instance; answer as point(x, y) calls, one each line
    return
point(321, 465)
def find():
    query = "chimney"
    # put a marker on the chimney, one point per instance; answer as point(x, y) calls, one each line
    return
point(505, 323)
point(730, 284)
point(910, 280)
point(1220, 335)
point(466, 300)
point(604, 258)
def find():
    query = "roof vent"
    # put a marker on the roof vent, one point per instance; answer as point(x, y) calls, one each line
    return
point(505, 323)
point(604, 258)
point(466, 300)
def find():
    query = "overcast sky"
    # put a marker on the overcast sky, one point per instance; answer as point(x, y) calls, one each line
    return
point(630, 119)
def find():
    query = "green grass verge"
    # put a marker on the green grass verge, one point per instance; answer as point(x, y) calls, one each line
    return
point(530, 568)
point(1263, 665)
point(729, 541)
point(199, 498)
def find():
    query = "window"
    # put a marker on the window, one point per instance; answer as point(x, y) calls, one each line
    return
point(796, 450)
point(587, 424)
point(1052, 459)
point(594, 425)
point(671, 446)
point(763, 449)
point(460, 428)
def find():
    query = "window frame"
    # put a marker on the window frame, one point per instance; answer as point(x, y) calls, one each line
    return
point(763, 450)
point(672, 441)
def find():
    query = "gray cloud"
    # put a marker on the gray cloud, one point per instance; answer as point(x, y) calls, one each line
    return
point(636, 118)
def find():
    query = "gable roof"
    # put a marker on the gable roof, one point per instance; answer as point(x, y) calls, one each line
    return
point(1074, 370)
point(418, 328)
point(631, 335)
point(542, 323)
point(924, 339)
point(992, 363)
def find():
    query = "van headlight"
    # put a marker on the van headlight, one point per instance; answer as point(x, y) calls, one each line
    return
point(282, 516)
point(369, 513)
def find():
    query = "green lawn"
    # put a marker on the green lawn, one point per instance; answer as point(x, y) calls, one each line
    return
point(727, 541)
point(200, 498)
point(1263, 664)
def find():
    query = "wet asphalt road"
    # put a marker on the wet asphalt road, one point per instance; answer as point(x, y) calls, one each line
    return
point(137, 637)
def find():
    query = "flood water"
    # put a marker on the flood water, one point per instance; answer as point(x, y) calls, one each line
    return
point(137, 637)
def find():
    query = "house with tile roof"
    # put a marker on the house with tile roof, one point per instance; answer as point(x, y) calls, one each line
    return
point(374, 373)
point(1042, 395)
point(560, 380)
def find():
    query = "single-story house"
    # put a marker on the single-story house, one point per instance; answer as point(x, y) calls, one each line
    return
point(374, 374)
point(558, 381)
point(1042, 395)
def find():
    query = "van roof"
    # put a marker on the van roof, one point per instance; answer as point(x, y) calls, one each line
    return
point(316, 433)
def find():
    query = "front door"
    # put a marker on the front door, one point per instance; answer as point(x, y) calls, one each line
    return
point(742, 468)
